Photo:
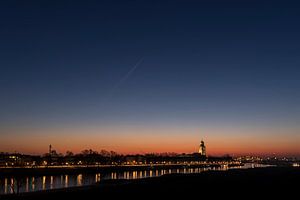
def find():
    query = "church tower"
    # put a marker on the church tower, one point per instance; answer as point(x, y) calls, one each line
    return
point(50, 149)
point(202, 149)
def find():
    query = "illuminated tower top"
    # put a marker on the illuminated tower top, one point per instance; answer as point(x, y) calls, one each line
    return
point(202, 149)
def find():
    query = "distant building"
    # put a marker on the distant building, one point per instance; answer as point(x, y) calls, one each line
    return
point(202, 149)
point(52, 152)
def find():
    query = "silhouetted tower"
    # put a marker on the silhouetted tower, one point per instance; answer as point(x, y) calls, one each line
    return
point(202, 149)
point(50, 149)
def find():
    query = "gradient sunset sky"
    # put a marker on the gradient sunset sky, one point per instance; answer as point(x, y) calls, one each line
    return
point(150, 76)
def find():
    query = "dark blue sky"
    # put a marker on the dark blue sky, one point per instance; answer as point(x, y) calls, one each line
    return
point(204, 62)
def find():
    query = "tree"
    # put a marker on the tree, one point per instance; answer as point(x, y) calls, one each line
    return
point(85, 152)
point(113, 154)
point(69, 153)
point(104, 153)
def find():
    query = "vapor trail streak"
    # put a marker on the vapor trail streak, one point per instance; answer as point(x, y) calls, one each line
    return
point(126, 76)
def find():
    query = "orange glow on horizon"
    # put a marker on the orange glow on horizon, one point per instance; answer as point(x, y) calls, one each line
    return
point(136, 140)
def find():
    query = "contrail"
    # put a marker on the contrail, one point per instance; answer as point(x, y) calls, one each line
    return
point(126, 76)
point(130, 72)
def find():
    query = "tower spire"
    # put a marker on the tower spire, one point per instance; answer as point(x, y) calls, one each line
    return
point(50, 149)
point(202, 148)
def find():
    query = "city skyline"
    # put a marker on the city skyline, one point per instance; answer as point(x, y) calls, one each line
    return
point(151, 76)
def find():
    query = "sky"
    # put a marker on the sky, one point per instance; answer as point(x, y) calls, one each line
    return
point(150, 76)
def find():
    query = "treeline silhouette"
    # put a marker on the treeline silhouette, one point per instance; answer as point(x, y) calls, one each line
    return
point(103, 157)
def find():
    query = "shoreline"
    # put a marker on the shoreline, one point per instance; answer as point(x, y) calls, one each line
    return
point(5, 172)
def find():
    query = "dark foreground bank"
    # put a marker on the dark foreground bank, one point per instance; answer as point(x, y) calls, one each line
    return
point(234, 184)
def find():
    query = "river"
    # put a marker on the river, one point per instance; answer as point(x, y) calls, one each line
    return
point(9, 185)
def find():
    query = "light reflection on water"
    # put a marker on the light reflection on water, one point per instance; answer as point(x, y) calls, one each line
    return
point(36, 183)
point(97, 178)
point(79, 180)
point(44, 182)
point(51, 182)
